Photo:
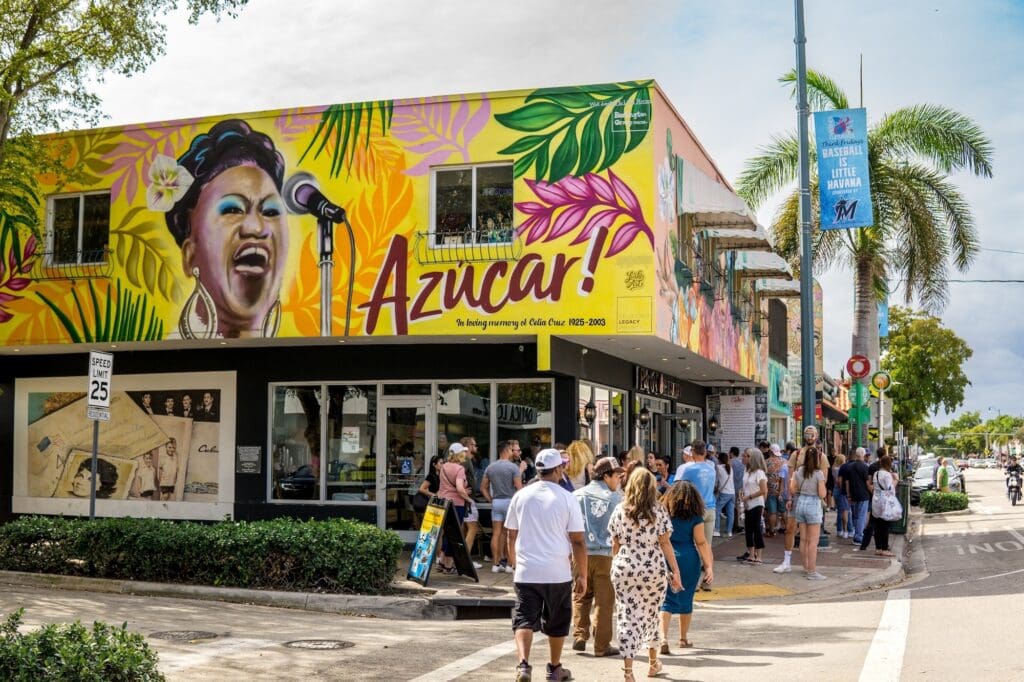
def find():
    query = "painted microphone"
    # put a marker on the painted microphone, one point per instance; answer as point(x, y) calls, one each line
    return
point(302, 195)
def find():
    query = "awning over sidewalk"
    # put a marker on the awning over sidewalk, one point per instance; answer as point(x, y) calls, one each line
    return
point(727, 239)
point(776, 287)
point(762, 264)
point(710, 202)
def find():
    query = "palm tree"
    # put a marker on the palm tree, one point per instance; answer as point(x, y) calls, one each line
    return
point(921, 220)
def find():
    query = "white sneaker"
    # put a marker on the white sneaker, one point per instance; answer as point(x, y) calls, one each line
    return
point(782, 568)
point(729, 536)
point(716, 534)
point(816, 576)
point(510, 569)
point(496, 568)
point(477, 564)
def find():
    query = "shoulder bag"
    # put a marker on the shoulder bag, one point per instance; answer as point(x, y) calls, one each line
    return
point(884, 504)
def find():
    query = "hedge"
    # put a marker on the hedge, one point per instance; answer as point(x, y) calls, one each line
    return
point(935, 502)
point(73, 652)
point(336, 555)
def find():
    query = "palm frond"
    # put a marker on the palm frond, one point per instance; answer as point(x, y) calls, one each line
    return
point(823, 93)
point(949, 207)
point(943, 137)
point(775, 166)
point(785, 228)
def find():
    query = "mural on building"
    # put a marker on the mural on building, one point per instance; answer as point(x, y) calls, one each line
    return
point(793, 338)
point(522, 212)
point(158, 446)
point(692, 311)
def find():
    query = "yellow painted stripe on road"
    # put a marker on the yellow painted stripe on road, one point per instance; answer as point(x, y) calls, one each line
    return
point(743, 592)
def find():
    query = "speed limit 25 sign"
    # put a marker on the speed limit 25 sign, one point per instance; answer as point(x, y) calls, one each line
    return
point(101, 370)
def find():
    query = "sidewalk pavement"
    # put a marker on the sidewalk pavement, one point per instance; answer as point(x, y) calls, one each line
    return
point(847, 571)
point(452, 597)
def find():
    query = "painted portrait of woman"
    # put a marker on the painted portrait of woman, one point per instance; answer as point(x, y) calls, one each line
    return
point(222, 202)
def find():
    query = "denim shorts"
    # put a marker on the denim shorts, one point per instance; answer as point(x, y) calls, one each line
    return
point(842, 501)
point(808, 509)
point(499, 509)
point(776, 505)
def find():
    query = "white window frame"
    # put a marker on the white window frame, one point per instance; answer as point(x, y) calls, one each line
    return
point(473, 230)
point(51, 230)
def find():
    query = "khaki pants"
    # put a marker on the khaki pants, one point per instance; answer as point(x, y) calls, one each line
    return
point(601, 595)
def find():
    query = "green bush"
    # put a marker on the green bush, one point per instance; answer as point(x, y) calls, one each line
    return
point(933, 502)
point(74, 652)
point(337, 555)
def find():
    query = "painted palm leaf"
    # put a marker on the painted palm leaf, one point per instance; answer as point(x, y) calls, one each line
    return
point(343, 127)
point(123, 316)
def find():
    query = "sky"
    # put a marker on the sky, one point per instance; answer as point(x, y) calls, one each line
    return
point(718, 62)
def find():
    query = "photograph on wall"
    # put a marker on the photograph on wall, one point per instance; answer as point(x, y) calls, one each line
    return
point(114, 476)
point(157, 446)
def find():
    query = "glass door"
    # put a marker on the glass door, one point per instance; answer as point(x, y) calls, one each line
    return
point(405, 429)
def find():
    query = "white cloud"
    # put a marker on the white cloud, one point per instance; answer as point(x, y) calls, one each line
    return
point(718, 62)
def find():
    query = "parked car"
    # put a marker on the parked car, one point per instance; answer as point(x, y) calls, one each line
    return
point(991, 464)
point(974, 462)
point(924, 480)
point(961, 464)
point(301, 484)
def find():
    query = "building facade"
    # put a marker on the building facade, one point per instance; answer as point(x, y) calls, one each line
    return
point(306, 305)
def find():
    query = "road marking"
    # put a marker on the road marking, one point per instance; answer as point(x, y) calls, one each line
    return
point(478, 659)
point(1015, 534)
point(884, 660)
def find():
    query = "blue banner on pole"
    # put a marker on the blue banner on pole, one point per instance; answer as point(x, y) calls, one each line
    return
point(883, 318)
point(844, 187)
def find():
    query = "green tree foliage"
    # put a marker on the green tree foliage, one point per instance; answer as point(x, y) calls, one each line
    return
point(921, 220)
point(961, 433)
point(51, 52)
point(926, 362)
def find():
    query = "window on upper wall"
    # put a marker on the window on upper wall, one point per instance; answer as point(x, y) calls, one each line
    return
point(79, 228)
point(472, 205)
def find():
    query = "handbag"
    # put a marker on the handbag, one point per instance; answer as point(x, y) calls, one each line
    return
point(884, 504)
point(420, 502)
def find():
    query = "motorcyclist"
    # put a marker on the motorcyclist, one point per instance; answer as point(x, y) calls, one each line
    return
point(1013, 469)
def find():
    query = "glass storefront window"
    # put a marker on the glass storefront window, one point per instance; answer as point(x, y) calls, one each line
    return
point(464, 415)
point(406, 389)
point(656, 436)
point(524, 414)
point(295, 443)
point(607, 433)
point(351, 443)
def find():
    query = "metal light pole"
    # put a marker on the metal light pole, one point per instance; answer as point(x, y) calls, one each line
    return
point(806, 275)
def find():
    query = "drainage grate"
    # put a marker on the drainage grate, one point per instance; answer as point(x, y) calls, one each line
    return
point(319, 644)
point(481, 592)
point(190, 636)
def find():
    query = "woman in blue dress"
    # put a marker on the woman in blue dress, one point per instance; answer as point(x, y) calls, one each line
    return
point(692, 550)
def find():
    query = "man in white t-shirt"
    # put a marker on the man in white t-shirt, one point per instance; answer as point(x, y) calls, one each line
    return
point(545, 526)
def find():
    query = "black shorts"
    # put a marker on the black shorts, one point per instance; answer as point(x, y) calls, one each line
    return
point(543, 606)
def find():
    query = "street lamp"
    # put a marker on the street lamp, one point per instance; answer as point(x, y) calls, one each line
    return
point(590, 412)
point(712, 424)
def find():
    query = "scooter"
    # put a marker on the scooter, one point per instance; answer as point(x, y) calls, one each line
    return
point(1013, 489)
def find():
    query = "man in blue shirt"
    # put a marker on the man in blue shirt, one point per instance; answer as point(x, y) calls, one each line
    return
point(597, 500)
point(703, 478)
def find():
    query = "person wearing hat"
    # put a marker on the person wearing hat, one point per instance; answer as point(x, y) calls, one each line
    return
point(545, 526)
point(454, 486)
point(773, 468)
point(597, 500)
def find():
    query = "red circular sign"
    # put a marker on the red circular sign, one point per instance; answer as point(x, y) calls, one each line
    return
point(858, 366)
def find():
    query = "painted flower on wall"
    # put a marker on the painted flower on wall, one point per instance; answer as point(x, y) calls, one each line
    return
point(666, 192)
point(168, 182)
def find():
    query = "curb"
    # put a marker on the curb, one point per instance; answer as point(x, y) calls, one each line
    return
point(397, 608)
point(960, 512)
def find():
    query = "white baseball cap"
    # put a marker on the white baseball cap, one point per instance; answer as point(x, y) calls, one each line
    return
point(456, 448)
point(548, 459)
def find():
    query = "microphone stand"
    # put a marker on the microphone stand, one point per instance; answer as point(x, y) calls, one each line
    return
point(325, 242)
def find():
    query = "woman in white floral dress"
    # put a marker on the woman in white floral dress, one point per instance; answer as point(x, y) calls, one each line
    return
point(640, 529)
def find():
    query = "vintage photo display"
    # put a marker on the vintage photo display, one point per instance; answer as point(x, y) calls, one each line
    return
point(161, 445)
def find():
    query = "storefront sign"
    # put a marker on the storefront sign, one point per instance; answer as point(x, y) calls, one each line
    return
point(655, 383)
point(843, 183)
point(248, 458)
point(516, 415)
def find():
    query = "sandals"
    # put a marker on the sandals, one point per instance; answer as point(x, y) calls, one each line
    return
point(884, 552)
point(753, 562)
point(685, 644)
point(655, 668)
point(628, 675)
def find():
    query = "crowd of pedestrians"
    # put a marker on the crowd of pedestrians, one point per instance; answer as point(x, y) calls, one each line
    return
point(612, 549)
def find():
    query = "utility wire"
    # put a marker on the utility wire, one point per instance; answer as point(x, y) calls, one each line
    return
point(1019, 253)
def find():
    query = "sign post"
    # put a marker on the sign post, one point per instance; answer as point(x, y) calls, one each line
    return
point(101, 370)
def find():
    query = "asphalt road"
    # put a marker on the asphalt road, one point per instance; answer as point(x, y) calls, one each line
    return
point(954, 620)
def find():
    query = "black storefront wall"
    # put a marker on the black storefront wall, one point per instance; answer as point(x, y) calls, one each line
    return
point(256, 368)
